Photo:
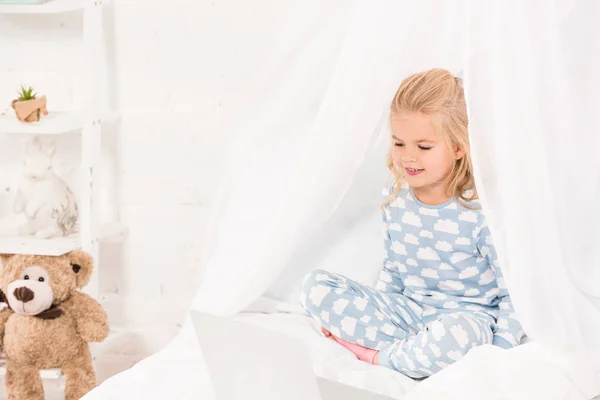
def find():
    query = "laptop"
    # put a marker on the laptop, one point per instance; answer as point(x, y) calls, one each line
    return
point(249, 362)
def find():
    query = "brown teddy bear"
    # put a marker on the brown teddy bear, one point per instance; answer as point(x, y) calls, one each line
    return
point(48, 323)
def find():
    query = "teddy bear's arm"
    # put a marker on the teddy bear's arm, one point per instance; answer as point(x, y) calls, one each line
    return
point(90, 317)
point(4, 315)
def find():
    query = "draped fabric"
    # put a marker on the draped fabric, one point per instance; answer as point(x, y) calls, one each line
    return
point(531, 82)
point(531, 87)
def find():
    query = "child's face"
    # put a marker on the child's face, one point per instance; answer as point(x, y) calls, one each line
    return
point(419, 152)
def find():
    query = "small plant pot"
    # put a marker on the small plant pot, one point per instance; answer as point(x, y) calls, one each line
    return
point(30, 110)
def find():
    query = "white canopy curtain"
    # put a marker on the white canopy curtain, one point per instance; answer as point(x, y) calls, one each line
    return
point(297, 154)
point(529, 77)
point(532, 88)
point(531, 84)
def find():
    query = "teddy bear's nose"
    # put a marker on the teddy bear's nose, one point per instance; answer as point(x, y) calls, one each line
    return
point(23, 294)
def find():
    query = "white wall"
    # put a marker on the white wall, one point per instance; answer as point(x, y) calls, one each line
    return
point(182, 70)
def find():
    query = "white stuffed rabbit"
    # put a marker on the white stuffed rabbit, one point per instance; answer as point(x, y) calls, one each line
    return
point(49, 205)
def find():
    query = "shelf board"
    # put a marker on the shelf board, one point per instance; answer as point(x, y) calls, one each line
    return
point(47, 7)
point(55, 246)
point(33, 245)
point(55, 123)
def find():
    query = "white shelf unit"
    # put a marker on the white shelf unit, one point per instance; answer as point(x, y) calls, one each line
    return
point(48, 7)
point(13, 244)
point(88, 122)
point(55, 123)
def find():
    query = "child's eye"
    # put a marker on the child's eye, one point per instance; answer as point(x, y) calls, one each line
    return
point(399, 144)
point(424, 148)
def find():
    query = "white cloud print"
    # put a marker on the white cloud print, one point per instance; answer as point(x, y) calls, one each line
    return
point(443, 246)
point(360, 304)
point(447, 226)
point(318, 293)
point(399, 266)
point(468, 216)
point(413, 280)
point(451, 304)
point(339, 306)
point(388, 329)
point(411, 218)
point(371, 332)
point(426, 234)
point(428, 211)
point(398, 203)
point(349, 325)
point(463, 241)
point(468, 272)
point(427, 253)
point(487, 277)
point(398, 248)
point(395, 227)
point(385, 277)
point(460, 335)
point(410, 238)
point(451, 285)
point(435, 349)
point(459, 256)
point(437, 330)
point(451, 206)
point(430, 273)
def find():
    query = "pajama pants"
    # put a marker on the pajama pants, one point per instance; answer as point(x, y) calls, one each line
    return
point(392, 323)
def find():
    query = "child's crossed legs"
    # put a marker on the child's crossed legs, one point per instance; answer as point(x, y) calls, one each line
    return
point(390, 323)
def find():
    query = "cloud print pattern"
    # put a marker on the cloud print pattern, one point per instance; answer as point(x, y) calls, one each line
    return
point(439, 294)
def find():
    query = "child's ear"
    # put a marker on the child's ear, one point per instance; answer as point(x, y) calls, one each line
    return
point(459, 152)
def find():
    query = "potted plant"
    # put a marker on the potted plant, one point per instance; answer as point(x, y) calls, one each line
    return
point(28, 106)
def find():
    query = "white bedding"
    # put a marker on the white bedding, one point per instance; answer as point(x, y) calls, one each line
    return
point(526, 372)
point(178, 371)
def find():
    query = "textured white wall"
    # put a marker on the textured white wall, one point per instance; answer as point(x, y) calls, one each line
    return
point(182, 70)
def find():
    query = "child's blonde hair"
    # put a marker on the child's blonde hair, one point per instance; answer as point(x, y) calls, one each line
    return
point(440, 95)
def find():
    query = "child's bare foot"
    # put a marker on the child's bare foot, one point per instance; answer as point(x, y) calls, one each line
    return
point(327, 334)
point(362, 353)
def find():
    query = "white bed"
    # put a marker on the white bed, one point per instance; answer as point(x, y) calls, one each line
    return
point(527, 372)
point(178, 372)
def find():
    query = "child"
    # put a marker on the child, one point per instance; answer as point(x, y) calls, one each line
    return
point(441, 291)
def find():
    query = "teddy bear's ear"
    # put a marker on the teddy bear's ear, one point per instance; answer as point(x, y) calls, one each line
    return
point(81, 265)
point(5, 257)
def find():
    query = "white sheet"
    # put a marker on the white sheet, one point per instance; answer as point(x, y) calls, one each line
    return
point(178, 371)
point(527, 372)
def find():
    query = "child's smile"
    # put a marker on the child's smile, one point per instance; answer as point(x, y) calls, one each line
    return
point(413, 171)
